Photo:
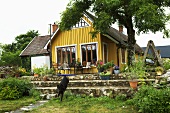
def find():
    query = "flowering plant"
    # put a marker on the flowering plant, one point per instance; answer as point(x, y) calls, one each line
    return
point(99, 64)
point(116, 68)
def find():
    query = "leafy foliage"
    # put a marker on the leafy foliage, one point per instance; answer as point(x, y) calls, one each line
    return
point(144, 15)
point(166, 63)
point(136, 70)
point(151, 100)
point(11, 52)
point(13, 88)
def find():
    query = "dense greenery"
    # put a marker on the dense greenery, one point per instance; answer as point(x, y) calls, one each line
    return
point(11, 52)
point(144, 15)
point(151, 100)
point(13, 88)
point(166, 63)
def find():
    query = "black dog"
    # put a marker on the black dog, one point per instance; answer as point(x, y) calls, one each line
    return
point(62, 87)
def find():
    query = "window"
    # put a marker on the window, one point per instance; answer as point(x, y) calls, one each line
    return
point(123, 50)
point(66, 54)
point(89, 53)
point(81, 23)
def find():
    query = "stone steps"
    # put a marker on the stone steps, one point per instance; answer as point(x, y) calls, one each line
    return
point(85, 83)
point(93, 91)
point(78, 77)
point(88, 84)
point(82, 83)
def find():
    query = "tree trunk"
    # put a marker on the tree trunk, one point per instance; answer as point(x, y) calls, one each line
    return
point(131, 44)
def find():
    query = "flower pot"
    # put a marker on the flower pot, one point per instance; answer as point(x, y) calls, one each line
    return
point(36, 75)
point(116, 72)
point(159, 73)
point(133, 84)
point(100, 70)
point(105, 77)
point(45, 78)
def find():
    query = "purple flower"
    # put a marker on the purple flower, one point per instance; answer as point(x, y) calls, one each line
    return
point(116, 67)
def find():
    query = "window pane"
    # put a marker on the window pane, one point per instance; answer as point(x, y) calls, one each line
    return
point(83, 49)
point(94, 54)
point(89, 53)
point(59, 56)
point(73, 50)
point(63, 55)
point(68, 55)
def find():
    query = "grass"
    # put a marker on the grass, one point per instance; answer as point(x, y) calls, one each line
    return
point(9, 105)
point(77, 104)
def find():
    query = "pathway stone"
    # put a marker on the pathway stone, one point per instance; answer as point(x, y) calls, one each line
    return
point(29, 107)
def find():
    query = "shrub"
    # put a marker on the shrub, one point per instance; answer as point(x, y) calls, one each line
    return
point(121, 97)
point(151, 100)
point(9, 93)
point(166, 63)
point(35, 93)
point(15, 87)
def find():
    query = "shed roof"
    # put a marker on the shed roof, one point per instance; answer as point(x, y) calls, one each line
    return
point(36, 46)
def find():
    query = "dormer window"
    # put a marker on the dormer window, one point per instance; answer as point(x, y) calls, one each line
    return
point(81, 23)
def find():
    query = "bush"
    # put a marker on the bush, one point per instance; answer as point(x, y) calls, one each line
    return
point(9, 93)
point(14, 88)
point(121, 97)
point(151, 100)
point(166, 63)
point(35, 93)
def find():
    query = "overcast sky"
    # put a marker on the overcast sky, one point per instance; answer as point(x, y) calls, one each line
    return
point(19, 16)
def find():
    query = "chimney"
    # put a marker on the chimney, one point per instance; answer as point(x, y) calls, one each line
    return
point(54, 27)
point(121, 28)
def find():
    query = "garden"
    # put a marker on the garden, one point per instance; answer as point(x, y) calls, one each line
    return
point(144, 99)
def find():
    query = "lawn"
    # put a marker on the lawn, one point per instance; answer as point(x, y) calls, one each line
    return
point(77, 104)
point(9, 105)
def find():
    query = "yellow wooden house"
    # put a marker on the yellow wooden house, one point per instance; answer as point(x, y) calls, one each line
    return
point(77, 44)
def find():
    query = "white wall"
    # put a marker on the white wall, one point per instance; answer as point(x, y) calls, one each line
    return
point(39, 61)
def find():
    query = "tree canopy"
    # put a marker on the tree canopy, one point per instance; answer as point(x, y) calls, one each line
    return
point(140, 15)
point(11, 52)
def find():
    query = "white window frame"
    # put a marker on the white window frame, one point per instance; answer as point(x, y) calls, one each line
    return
point(81, 26)
point(65, 46)
point(87, 44)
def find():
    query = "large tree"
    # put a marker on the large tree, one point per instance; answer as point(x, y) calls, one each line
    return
point(140, 15)
point(11, 52)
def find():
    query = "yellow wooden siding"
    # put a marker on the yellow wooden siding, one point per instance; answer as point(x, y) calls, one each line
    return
point(112, 49)
point(76, 37)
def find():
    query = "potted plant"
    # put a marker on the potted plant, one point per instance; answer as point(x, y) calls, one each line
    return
point(116, 70)
point(45, 72)
point(99, 65)
point(105, 75)
point(136, 71)
point(159, 70)
point(37, 72)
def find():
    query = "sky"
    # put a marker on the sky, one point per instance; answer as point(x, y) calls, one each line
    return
point(19, 16)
